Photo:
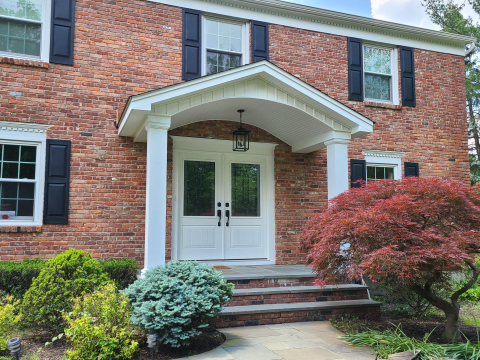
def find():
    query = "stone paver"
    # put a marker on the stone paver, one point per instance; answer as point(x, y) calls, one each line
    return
point(296, 341)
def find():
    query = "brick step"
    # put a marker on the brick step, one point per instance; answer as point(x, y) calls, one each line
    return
point(269, 282)
point(295, 312)
point(297, 294)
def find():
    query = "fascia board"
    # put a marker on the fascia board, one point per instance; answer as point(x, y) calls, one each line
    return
point(332, 22)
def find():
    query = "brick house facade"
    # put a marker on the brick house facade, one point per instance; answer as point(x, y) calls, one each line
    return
point(129, 63)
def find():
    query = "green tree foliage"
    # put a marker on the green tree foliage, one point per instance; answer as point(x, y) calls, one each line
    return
point(447, 14)
point(63, 278)
point(178, 300)
point(99, 326)
point(417, 230)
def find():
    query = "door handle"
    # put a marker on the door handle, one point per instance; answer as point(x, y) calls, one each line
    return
point(219, 214)
point(227, 214)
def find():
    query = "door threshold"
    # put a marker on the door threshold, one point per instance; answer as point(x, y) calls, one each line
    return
point(250, 262)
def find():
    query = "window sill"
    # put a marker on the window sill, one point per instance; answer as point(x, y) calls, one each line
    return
point(24, 62)
point(20, 229)
point(382, 105)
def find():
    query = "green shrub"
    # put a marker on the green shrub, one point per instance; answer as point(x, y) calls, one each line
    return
point(122, 271)
point(63, 278)
point(99, 326)
point(177, 300)
point(8, 320)
point(389, 342)
point(17, 277)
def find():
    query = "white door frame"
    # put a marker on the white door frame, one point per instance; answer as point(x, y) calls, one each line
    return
point(213, 146)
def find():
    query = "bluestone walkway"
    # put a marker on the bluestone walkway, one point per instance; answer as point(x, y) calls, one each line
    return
point(296, 341)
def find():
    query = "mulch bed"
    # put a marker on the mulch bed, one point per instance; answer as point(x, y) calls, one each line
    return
point(207, 341)
point(416, 328)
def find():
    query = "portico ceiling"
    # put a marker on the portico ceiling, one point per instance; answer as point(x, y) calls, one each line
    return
point(273, 99)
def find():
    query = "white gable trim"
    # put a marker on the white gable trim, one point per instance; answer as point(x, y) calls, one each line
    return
point(331, 22)
point(261, 80)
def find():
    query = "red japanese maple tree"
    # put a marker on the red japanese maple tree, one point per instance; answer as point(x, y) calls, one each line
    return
point(420, 230)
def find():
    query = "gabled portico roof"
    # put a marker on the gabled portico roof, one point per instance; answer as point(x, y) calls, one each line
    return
point(274, 100)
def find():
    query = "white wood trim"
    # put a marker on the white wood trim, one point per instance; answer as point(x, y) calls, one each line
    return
point(331, 22)
point(185, 145)
point(220, 146)
point(252, 81)
point(29, 134)
point(385, 159)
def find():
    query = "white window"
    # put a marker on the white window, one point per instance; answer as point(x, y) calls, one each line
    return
point(24, 28)
point(225, 45)
point(383, 165)
point(380, 71)
point(22, 169)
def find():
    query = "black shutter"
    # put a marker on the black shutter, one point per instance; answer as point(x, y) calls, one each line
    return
point(259, 41)
point(407, 69)
point(411, 169)
point(57, 182)
point(62, 32)
point(358, 171)
point(192, 44)
point(355, 69)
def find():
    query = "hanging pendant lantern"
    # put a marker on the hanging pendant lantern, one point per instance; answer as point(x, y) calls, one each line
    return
point(241, 136)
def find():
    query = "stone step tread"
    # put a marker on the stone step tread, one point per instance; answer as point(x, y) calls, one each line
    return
point(297, 289)
point(291, 307)
point(235, 277)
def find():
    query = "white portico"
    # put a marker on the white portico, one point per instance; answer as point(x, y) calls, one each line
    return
point(224, 222)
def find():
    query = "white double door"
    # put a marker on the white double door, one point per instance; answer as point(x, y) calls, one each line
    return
point(221, 208)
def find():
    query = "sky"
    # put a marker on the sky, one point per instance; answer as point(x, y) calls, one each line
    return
point(409, 12)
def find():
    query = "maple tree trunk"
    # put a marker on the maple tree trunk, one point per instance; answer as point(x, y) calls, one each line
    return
point(451, 325)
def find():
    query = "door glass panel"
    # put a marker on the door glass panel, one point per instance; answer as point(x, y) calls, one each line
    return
point(199, 188)
point(245, 190)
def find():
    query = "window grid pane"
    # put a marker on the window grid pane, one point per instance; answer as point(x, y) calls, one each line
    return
point(17, 198)
point(224, 36)
point(20, 37)
point(375, 173)
point(22, 9)
point(245, 190)
point(377, 66)
point(17, 162)
point(218, 62)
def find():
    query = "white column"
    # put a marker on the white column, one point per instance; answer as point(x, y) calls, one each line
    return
point(156, 206)
point(337, 166)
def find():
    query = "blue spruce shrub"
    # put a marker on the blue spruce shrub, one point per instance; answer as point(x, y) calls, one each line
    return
point(177, 300)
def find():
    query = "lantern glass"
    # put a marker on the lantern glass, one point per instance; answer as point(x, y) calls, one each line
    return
point(241, 139)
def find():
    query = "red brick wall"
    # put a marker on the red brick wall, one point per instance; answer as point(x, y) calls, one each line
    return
point(126, 47)
point(122, 48)
point(434, 133)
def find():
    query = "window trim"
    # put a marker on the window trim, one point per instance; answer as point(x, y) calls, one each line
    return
point(392, 159)
point(394, 95)
point(44, 37)
point(245, 54)
point(13, 133)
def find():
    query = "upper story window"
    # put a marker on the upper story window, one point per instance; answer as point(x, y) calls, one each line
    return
point(23, 27)
point(225, 46)
point(380, 72)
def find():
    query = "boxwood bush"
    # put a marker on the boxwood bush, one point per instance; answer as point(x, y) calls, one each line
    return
point(17, 277)
point(63, 278)
point(177, 300)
